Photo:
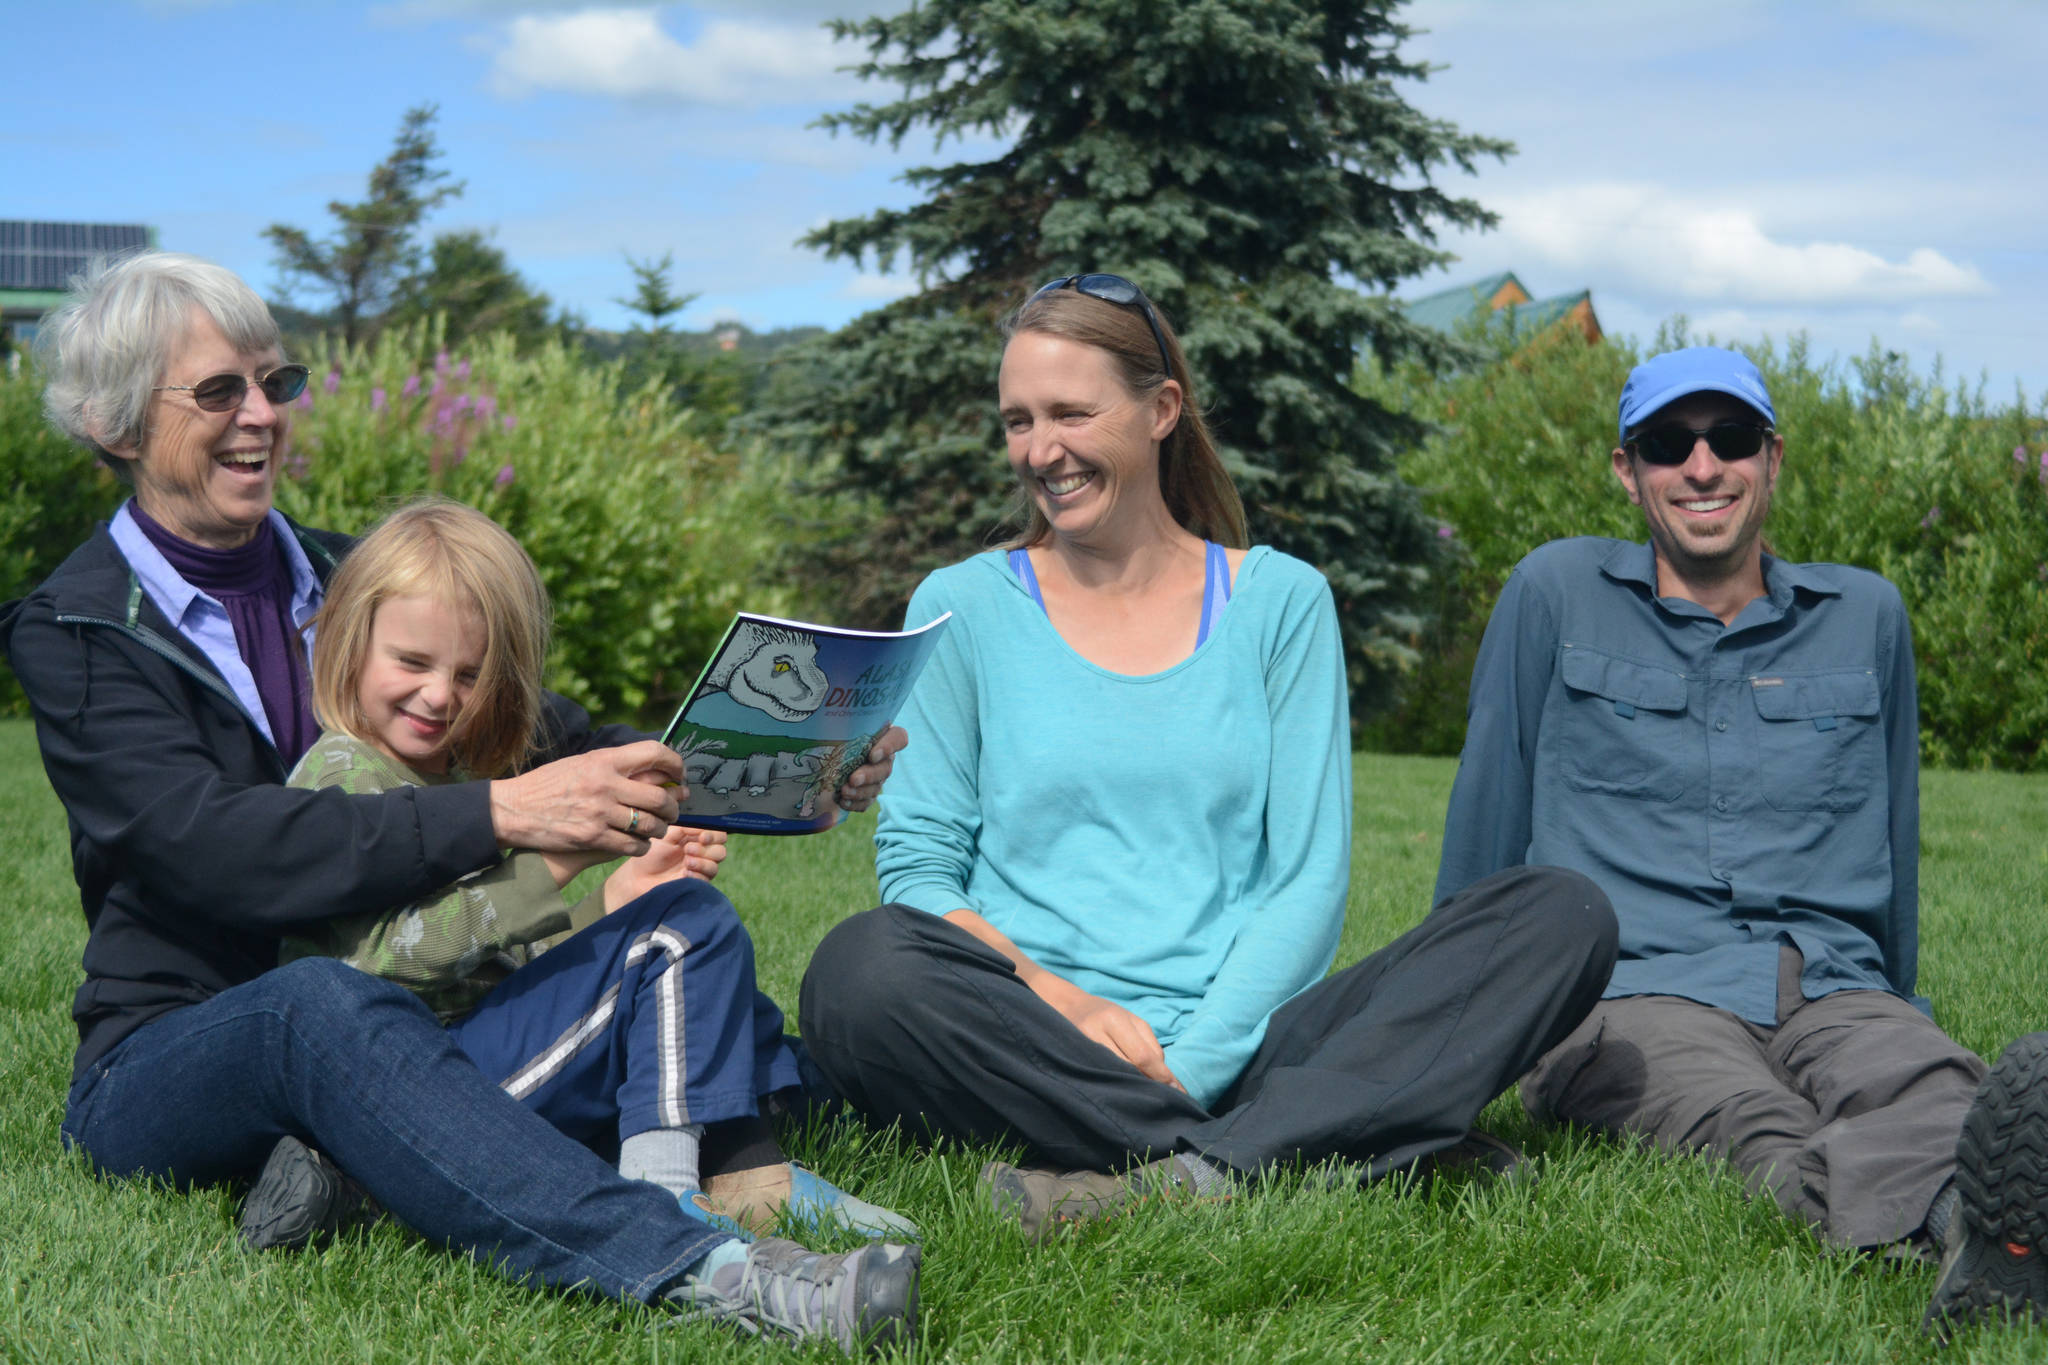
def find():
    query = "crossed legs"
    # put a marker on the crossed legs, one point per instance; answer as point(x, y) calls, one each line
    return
point(1846, 1112)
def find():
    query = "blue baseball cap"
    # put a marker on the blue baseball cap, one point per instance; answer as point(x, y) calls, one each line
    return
point(1696, 369)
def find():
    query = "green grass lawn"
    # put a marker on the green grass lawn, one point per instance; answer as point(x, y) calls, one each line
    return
point(1614, 1256)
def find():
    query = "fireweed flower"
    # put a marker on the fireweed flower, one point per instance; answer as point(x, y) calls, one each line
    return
point(504, 476)
point(441, 362)
point(509, 422)
point(332, 383)
point(377, 400)
point(411, 388)
point(462, 371)
point(1933, 515)
point(1444, 533)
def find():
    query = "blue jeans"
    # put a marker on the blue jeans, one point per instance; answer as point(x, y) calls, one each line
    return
point(648, 1018)
point(357, 1067)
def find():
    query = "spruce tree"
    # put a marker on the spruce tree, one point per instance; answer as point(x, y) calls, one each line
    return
point(375, 247)
point(1249, 163)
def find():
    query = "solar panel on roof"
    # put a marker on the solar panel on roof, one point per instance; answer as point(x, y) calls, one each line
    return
point(46, 255)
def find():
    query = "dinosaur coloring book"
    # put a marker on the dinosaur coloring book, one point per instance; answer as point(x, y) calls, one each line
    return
point(782, 713)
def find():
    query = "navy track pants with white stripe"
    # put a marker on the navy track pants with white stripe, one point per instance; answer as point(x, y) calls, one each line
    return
point(647, 1019)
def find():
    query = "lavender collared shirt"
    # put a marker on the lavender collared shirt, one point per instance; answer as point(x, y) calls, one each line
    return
point(203, 620)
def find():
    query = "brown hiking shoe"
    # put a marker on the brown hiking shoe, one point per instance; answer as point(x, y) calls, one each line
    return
point(1042, 1200)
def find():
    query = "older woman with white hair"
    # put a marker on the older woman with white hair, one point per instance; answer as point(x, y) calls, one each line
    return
point(166, 664)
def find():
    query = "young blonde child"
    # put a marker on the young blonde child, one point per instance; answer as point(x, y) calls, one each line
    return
point(628, 1019)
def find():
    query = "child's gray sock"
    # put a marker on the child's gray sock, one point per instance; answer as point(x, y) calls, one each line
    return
point(665, 1156)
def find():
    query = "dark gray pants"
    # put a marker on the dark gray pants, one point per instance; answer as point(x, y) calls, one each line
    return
point(1846, 1113)
point(915, 1020)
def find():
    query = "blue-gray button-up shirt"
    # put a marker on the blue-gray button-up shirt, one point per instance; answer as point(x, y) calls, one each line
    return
point(1729, 787)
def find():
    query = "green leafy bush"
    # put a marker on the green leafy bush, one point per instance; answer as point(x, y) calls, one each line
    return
point(1921, 480)
point(648, 540)
point(51, 493)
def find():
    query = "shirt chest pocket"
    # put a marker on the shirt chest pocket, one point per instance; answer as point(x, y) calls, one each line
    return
point(1817, 739)
point(1622, 731)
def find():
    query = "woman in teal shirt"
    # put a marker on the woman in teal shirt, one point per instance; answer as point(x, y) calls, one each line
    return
point(1117, 855)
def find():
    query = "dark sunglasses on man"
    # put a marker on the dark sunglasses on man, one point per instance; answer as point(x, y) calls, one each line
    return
point(225, 392)
point(1671, 443)
point(1114, 289)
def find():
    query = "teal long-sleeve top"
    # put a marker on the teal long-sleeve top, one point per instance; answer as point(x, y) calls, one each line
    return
point(1178, 843)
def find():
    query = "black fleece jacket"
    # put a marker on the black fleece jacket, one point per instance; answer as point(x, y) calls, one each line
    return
point(192, 857)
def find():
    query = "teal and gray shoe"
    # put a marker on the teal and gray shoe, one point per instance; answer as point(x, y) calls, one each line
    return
point(861, 1300)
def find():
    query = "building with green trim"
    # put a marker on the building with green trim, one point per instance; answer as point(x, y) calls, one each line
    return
point(37, 259)
point(1504, 302)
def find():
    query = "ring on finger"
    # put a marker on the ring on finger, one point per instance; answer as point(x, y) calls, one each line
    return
point(633, 825)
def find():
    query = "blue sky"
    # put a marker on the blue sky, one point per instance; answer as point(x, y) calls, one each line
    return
point(1849, 168)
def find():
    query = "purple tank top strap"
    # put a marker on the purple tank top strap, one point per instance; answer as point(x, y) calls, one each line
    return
point(1215, 589)
point(1020, 565)
point(1215, 585)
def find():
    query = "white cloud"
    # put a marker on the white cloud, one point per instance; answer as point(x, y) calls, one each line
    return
point(1917, 321)
point(1678, 245)
point(625, 53)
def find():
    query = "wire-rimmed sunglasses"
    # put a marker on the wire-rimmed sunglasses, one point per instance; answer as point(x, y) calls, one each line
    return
point(1115, 289)
point(1671, 443)
point(225, 392)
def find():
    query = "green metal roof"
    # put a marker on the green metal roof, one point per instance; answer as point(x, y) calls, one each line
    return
point(1449, 310)
point(1455, 309)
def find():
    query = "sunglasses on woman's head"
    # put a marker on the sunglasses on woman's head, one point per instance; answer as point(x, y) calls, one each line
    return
point(1115, 289)
point(225, 392)
point(1671, 443)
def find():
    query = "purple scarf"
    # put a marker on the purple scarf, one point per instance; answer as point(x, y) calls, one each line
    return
point(254, 584)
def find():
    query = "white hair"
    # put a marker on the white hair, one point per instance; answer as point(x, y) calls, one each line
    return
point(108, 344)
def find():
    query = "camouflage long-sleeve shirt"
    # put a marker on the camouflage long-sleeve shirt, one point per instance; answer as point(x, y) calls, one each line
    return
point(452, 947)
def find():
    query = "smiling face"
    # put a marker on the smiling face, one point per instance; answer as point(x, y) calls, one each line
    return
point(423, 662)
point(1085, 447)
point(208, 477)
point(1706, 516)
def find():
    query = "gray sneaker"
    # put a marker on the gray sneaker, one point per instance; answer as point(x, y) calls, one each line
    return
point(1992, 1266)
point(1043, 1200)
point(862, 1299)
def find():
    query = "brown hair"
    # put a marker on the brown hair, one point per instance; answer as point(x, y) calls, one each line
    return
point(440, 549)
point(1192, 479)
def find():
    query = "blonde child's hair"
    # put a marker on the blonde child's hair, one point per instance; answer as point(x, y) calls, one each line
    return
point(440, 549)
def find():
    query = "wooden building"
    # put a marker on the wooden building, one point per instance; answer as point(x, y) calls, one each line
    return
point(1502, 298)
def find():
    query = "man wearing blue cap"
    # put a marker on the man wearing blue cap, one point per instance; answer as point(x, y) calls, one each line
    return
point(1727, 744)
